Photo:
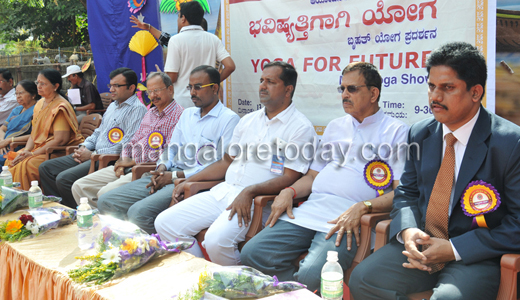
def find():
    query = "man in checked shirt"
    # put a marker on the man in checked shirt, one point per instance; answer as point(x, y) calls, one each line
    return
point(146, 145)
point(119, 124)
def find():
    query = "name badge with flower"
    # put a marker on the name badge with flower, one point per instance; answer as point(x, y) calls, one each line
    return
point(378, 175)
point(155, 140)
point(115, 135)
point(478, 199)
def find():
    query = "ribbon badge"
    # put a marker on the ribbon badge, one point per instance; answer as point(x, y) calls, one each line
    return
point(479, 198)
point(155, 140)
point(115, 135)
point(378, 175)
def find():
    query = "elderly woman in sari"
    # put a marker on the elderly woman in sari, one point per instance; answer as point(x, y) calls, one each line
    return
point(18, 125)
point(54, 124)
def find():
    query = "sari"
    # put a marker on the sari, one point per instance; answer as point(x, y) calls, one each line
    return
point(42, 133)
point(18, 123)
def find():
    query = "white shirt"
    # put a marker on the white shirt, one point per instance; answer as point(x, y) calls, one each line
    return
point(289, 126)
point(188, 49)
point(215, 128)
point(7, 104)
point(340, 182)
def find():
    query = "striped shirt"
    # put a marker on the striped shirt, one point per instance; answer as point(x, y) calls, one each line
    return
point(156, 126)
point(126, 116)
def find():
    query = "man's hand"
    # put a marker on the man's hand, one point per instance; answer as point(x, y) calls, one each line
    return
point(242, 207)
point(21, 156)
point(282, 203)
point(178, 193)
point(81, 155)
point(125, 162)
point(155, 177)
point(416, 259)
point(439, 251)
point(348, 222)
point(119, 171)
point(138, 23)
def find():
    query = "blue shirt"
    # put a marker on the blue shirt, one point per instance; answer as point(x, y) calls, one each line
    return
point(195, 135)
point(126, 116)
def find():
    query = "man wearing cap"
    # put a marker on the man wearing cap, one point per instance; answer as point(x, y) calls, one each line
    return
point(7, 95)
point(90, 98)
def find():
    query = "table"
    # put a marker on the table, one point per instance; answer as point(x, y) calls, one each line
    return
point(36, 269)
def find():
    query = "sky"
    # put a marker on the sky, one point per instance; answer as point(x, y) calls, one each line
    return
point(508, 4)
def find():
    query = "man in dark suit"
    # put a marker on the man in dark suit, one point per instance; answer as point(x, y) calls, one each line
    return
point(449, 230)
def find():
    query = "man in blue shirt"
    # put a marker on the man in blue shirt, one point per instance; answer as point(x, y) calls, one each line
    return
point(120, 122)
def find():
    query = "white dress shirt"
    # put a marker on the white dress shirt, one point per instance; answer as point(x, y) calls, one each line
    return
point(7, 104)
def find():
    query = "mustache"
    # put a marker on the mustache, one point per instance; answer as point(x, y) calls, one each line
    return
point(195, 97)
point(437, 103)
point(345, 100)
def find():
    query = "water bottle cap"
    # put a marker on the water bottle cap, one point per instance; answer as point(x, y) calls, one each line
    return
point(332, 256)
point(5, 168)
point(83, 200)
point(34, 183)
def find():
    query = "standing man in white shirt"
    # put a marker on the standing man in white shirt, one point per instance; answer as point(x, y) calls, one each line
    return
point(342, 185)
point(252, 165)
point(7, 94)
point(193, 47)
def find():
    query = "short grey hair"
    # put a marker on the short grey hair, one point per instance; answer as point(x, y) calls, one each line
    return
point(165, 78)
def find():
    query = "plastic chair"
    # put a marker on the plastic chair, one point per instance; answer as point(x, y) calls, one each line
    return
point(509, 266)
point(106, 99)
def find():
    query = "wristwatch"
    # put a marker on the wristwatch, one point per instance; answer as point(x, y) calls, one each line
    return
point(368, 204)
point(174, 176)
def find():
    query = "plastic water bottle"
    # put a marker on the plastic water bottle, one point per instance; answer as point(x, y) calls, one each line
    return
point(6, 178)
point(35, 195)
point(332, 278)
point(85, 232)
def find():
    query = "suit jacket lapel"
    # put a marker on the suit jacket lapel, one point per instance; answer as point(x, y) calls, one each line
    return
point(475, 153)
point(432, 157)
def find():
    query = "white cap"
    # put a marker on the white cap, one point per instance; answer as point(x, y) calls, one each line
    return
point(5, 168)
point(83, 200)
point(72, 69)
point(34, 182)
point(332, 256)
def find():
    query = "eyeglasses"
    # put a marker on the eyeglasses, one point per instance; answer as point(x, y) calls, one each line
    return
point(40, 83)
point(350, 88)
point(116, 85)
point(3, 80)
point(156, 91)
point(197, 87)
point(20, 93)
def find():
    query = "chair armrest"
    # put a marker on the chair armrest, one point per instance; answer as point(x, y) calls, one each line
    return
point(140, 169)
point(70, 149)
point(382, 231)
point(509, 268)
point(192, 188)
point(256, 221)
point(13, 145)
point(51, 150)
point(105, 159)
point(93, 111)
point(93, 159)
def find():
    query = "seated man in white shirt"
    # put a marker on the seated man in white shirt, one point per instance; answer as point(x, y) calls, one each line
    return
point(251, 166)
point(354, 172)
point(7, 94)
point(206, 127)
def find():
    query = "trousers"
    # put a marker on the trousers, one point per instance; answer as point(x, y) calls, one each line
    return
point(98, 183)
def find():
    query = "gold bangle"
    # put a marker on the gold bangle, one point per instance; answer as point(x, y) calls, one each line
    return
point(12, 139)
point(32, 153)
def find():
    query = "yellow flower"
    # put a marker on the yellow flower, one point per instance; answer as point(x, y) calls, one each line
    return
point(13, 227)
point(129, 245)
point(178, 4)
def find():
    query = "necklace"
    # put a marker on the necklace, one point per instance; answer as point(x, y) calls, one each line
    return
point(40, 113)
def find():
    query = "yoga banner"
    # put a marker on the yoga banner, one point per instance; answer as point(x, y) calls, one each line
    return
point(321, 37)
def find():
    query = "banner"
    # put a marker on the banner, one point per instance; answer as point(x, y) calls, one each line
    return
point(320, 37)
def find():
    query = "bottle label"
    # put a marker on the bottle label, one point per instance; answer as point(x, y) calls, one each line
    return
point(332, 289)
point(85, 221)
point(35, 201)
point(8, 182)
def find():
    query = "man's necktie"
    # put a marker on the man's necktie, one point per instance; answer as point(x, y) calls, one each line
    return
point(439, 204)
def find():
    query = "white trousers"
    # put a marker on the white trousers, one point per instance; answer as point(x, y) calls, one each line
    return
point(187, 218)
point(96, 184)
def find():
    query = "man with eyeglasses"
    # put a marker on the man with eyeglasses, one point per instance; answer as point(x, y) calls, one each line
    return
point(193, 47)
point(198, 140)
point(146, 145)
point(7, 94)
point(119, 124)
point(253, 165)
point(353, 173)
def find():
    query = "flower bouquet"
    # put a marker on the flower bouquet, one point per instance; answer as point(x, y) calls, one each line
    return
point(238, 282)
point(13, 199)
point(121, 247)
point(38, 221)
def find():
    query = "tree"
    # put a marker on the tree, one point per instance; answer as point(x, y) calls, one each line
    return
point(55, 23)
